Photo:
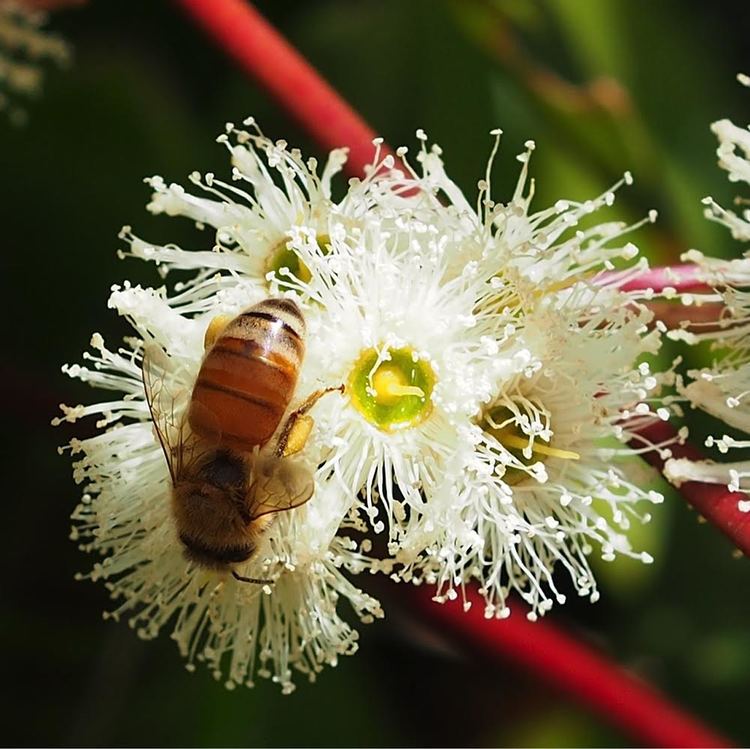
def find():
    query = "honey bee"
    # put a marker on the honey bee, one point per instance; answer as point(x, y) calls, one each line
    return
point(228, 451)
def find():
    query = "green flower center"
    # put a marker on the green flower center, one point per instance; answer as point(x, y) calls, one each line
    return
point(392, 394)
point(282, 256)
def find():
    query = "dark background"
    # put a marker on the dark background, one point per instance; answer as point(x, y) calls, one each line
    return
point(602, 87)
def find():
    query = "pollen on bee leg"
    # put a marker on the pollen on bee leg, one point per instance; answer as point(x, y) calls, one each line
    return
point(214, 329)
point(298, 435)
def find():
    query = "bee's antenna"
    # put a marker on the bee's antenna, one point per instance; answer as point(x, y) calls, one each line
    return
point(255, 580)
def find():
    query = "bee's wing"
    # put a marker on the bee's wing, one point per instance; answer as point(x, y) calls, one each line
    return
point(279, 484)
point(166, 405)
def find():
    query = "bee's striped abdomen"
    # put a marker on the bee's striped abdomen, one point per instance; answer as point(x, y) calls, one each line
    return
point(248, 377)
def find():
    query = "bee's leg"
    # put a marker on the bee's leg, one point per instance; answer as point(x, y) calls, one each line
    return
point(296, 438)
point(254, 580)
point(298, 425)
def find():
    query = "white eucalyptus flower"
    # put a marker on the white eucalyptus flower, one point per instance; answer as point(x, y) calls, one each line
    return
point(272, 190)
point(240, 630)
point(493, 383)
point(722, 389)
point(493, 380)
point(543, 475)
point(24, 46)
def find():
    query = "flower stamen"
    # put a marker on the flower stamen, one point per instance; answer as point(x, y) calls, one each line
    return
point(512, 440)
point(530, 440)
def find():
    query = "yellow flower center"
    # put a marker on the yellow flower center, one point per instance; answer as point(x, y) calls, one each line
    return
point(282, 256)
point(393, 393)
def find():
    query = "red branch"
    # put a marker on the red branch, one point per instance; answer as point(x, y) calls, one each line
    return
point(681, 277)
point(714, 502)
point(554, 656)
point(558, 659)
point(261, 51)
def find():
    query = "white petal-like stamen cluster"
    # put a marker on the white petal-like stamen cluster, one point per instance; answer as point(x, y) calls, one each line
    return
point(534, 477)
point(24, 46)
point(494, 384)
point(723, 389)
point(237, 629)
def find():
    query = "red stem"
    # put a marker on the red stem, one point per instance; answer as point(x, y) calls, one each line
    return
point(682, 277)
point(714, 502)
point(555, 657)
point(259, 49)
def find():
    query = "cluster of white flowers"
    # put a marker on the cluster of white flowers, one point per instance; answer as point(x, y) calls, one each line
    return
point(722, 389)
point(24, 45)
point(495, 376)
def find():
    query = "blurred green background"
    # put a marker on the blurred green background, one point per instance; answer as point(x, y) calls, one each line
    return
point(602, 86)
